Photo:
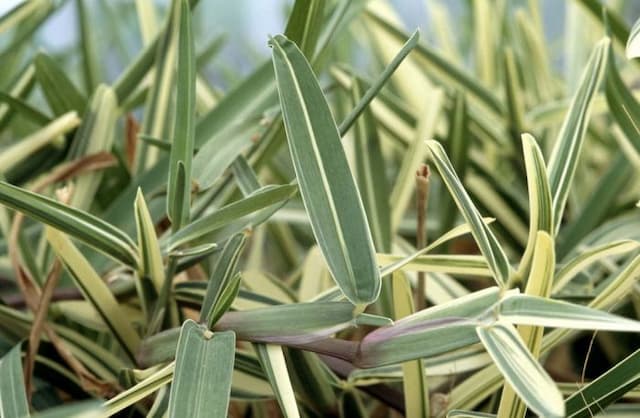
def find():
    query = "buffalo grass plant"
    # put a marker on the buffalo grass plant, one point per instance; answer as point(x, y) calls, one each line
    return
point(170, 247)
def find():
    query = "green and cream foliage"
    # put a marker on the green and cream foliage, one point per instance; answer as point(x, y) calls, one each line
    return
point(250, 250)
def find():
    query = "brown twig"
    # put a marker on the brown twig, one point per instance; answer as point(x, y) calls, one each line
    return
point(37, 301)
point(132, 127)
point(39, 322)
point(422, 195)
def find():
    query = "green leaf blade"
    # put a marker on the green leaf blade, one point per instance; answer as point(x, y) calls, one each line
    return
point(326, 184)
point(89, 229)
point(13, 396)
point(564, 157)
point(521, 370)
point(201, 357)
point(184, 133)
point(489, 246)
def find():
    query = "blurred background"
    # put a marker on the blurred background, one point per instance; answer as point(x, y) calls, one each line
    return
point(237, 31)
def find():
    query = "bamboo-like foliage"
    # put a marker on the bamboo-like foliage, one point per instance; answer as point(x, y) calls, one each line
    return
point(257, 247)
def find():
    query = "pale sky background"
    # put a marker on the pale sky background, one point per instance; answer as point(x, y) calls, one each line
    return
point(246, 23)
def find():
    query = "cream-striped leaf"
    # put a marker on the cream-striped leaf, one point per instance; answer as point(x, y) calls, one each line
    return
point(470, 265)
point(327, 187)
point(538, 285)
point(532, 310)
point(263, 198)
point(566, 152)
point(139, 391)
point(273, 363)
point(89, 229)
point(489, 246)
point(589, 257)
point(414, 380)
point(448, 236)
point(540, 203)
point(521, 369)
point(95, 291)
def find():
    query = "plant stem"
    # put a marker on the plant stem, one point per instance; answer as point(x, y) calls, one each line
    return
point(422, 195)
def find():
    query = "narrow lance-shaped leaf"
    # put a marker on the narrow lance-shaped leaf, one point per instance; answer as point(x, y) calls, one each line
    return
point(95, 291)
point(439, 67)
point(151, 270)
point(468, 414)
point(471, 265)
point(521, 370)
point(457, 147)
point(623, 106)
point(489, 246)
point(20, 13)
point(538, 285)
point(20, 151)
point(379, 83)
point(459, 230)
point(525, 309)
point(540, 203)
point(89, 229)
point(606, 389)
point(414, 381)
point(202, 356)
point(184, 131)
point(590, 256)
point(372, 181)
point(20, 106)
point(158, 103)
point(140, 391)
point(304, 25)
point(13, 397)
point(61, 94)
point(89, 58)
point(96, 134)
point(328, 190)
point(566, 151)
point(263, 198)
point(220, 278)
point(273, 362)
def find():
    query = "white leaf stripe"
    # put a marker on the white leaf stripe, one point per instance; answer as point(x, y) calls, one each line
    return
point(91, 230)
point(273, 362)
point(541, 206)
point(323, 166)
point(452, 264)
point(141, 390)
point(564, 158)
point(521, 370)
point(581, 262)
point(531, 310)
point(95, 290)
point(151, 264)
point(321, 169)
point(485, 239)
